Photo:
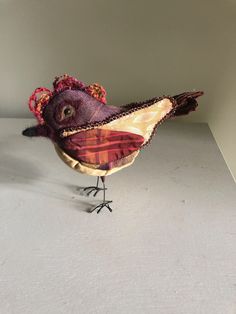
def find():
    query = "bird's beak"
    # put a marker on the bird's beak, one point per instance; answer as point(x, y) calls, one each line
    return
point(37, 130)
point(30, 132)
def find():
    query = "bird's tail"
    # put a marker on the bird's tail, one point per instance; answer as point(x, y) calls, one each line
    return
point(186, 102)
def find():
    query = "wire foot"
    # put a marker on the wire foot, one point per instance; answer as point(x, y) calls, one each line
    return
point(90, 189)
point(99, 207)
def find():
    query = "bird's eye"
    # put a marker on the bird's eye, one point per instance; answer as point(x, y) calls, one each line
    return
point(67, 112)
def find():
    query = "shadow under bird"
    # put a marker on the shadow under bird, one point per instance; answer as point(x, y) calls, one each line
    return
point(98, 139)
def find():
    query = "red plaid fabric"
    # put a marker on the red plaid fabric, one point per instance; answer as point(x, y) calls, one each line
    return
point(99, 146)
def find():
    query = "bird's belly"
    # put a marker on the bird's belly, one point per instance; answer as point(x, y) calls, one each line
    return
point(93, 170)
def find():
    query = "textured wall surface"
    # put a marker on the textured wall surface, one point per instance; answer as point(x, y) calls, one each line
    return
point(167, 248)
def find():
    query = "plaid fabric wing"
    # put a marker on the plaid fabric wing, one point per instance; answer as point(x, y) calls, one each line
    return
point(99, 146)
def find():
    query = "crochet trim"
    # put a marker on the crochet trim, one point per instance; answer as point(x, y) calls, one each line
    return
point(42, 95)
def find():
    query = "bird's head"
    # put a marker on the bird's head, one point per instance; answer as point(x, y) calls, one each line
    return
point(70, 104)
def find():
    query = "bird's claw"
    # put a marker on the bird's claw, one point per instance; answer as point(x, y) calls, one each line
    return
point(101, 206)
point(88, 190)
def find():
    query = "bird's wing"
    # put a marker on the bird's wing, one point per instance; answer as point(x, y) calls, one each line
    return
point(100, 146)
point(142, 121)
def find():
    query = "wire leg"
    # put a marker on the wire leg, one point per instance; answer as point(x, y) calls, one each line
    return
point(104, 203)
point(97, 182)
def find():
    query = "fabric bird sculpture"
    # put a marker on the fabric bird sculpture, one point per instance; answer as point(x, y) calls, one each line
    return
point(98, 139)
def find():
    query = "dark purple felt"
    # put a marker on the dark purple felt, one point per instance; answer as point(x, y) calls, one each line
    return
point(87, 110)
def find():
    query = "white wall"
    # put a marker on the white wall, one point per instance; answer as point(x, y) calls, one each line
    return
point(136, 49)
point(222, 114)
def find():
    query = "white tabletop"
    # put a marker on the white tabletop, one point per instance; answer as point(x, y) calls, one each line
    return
point(168, 247)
